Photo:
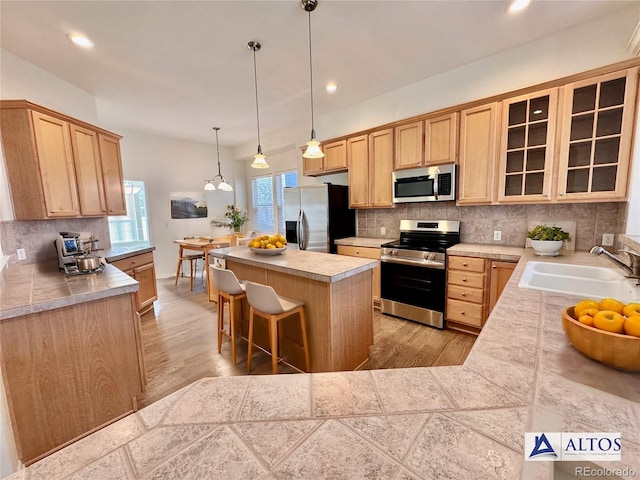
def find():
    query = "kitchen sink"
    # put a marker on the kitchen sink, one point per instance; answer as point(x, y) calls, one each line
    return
point(579, 280)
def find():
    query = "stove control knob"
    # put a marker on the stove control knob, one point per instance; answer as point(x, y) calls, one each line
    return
point(394, 251)
point(432, 255)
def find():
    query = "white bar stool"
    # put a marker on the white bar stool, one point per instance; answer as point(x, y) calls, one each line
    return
point(266, 303)
point(230, 289)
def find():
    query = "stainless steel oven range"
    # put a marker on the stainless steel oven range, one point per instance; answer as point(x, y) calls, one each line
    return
point(413, 270)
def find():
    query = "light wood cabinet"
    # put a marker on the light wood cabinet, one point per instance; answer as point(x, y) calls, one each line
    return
point(370, 159)
point(142, 268)
point(425, 143)
point(70, 371)
point(334, 160)
point(473, 288)
point(500, 274)
point(366, 252)
point(527, 147)
point(57, 166)
point(112, 175)
point(478, 142)
point(597, 131)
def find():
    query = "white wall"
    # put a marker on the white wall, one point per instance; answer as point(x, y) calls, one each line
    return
point(171, 165)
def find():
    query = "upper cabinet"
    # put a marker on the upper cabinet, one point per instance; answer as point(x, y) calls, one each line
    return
point(370, 160)
point(478, 143)
point(527, 147)
point(334, 160)
point(426, 143)
point(597, 129)
point(59, 167)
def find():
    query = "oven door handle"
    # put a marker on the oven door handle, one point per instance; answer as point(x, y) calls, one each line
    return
point(417, 263)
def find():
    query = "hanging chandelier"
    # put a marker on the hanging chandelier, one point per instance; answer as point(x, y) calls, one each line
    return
point(223, 185)
point(313, 146)
point(259, 160)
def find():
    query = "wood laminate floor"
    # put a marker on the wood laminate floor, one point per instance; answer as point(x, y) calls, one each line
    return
point(180, 343)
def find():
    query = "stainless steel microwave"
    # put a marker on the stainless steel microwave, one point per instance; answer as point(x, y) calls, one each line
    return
point(432, 184)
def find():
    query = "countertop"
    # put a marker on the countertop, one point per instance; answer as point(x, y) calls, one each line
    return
point(119, 253)
point(37, 287)
point(323, 267)
point(363, 241)
point(483, 250)
point(454, 422)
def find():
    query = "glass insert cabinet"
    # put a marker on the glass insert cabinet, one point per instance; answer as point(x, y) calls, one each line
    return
point(589, 159)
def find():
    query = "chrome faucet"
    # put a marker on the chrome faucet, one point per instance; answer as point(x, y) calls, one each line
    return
point(633, 269)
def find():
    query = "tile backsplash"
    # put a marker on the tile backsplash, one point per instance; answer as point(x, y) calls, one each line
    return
point(479, 222)
point(37, 236)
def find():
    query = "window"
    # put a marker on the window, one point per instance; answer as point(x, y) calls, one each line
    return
point(132, 229)
point(266, 200)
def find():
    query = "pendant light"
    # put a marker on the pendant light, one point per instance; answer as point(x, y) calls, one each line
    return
point(223, 185)
point(313, 146)
point(259, 160)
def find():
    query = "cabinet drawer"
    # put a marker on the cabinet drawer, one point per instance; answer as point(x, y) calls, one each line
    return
point(133, 262)
point(468, 294)
point(364, 252)
point(464, 312)
point(468, 264)
point(469, 279)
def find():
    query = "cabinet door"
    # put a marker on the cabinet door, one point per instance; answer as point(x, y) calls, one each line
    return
point(366, 252)
point(56, 165)
point(148, 293)
point(527, 146)
point(440, 139)
point(478, 138)
point(500, 275)
point(381, 168)
point(335, 156)
point(409, 151)
point(358, 159)
point(112, 175)
point(86, 156)
point(311, 166)
point(597, 131)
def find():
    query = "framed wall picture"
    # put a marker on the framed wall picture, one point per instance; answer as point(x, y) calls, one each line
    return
point(188, 205)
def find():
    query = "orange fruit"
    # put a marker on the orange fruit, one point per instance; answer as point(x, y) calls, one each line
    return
point(632, 326)
point(586, 319)
point(610, 321)
point(611, 304)
point(631, 309)
point(583, 305)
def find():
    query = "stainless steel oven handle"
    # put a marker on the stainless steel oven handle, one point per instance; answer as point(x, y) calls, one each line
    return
point(417, 263)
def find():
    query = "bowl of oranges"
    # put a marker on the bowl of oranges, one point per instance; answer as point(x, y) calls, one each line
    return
point(268, 244)
point(607, 331)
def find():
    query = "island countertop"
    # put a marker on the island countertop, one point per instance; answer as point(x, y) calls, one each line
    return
point(38, 287)
point(323, 267)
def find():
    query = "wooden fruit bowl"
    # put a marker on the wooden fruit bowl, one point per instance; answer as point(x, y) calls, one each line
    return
point(613, 349)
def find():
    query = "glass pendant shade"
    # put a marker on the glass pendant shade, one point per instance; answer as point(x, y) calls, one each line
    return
point(259, 161)
point(225, 187)
point(209, 185)
point(313, 149)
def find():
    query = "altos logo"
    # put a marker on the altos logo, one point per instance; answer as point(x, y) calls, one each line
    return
point(602, 446)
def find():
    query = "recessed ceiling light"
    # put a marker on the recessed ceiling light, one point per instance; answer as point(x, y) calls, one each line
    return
point(80, 40)
point(518, 5)
point(331, 87)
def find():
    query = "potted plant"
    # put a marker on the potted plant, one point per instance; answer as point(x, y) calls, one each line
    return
point(237, 218)
point(547, 240)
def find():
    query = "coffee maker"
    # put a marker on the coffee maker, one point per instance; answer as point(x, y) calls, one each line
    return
point(70, 245)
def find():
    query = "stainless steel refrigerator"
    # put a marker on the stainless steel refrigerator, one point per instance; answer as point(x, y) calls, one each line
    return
point(316, 215)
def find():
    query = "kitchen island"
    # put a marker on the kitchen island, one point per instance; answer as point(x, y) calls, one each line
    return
point(337, 295)
point(71, 354)
point(454, 422)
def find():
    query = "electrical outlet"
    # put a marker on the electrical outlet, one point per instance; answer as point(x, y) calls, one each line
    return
point(497, 235)
point(21, 254)
point(607, 239)
point(383, 230)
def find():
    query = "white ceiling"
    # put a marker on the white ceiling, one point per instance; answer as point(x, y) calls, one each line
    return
point(177, 68)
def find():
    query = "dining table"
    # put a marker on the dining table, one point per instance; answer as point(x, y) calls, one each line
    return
point(204, 245)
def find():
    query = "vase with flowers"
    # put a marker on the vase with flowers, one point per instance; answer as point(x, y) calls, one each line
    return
point(237, 218)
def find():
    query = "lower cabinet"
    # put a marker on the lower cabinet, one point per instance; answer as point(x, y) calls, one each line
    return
point(473, 287)
point(70, 371)
point(141, 267)
point(366, 252)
